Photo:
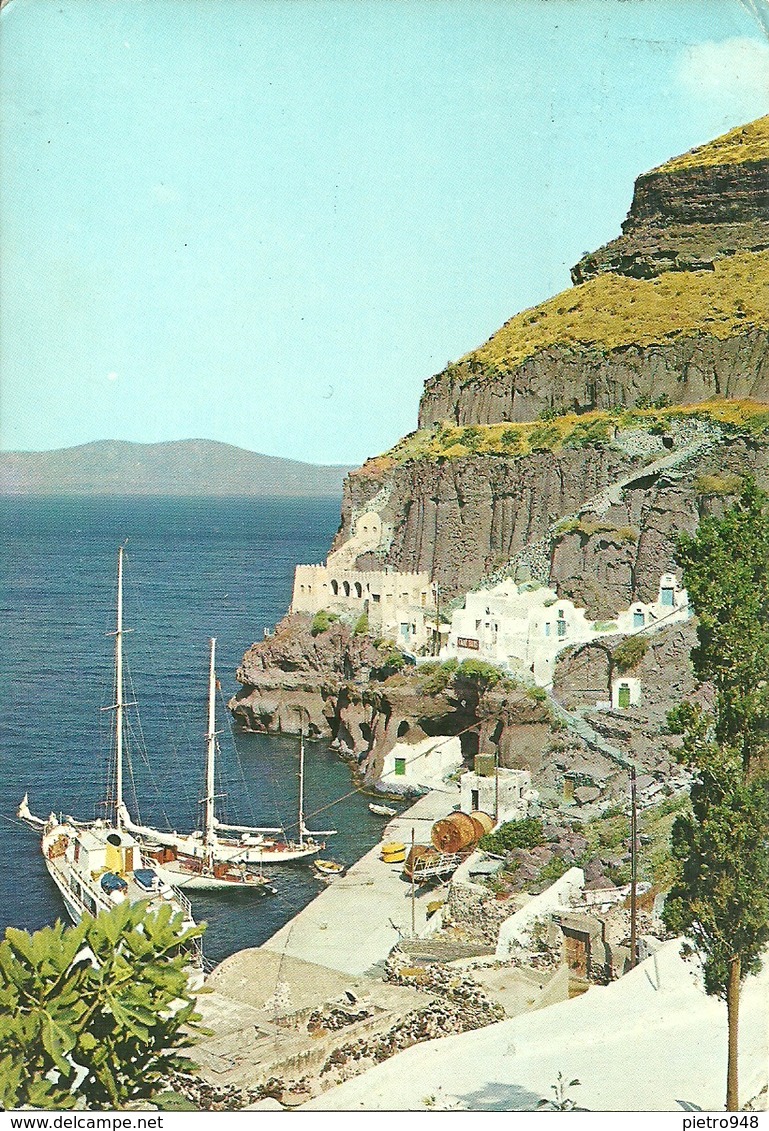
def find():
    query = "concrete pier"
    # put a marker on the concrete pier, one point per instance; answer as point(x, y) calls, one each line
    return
point(354, 924)
point(331, 952)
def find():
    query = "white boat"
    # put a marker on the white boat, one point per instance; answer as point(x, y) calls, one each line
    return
point(221, 855)
point(201, 860)
point(382, 810)
point(329, 869)
point(98, 864)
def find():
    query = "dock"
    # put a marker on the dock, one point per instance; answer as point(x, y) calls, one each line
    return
point(356, 921)
point(330, 956)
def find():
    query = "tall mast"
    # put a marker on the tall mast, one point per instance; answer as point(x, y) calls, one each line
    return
point(301, 786)
point(208, 827)
point(119, 695)
point(633, 870)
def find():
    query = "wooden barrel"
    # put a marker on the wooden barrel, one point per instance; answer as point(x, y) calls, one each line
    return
point(484, 819)
point(453, 833)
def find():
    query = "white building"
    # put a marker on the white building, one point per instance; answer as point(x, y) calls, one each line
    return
point(398, 605)
point(426, 763)
point(504, 795)
point(672, 605)
point(523, 628)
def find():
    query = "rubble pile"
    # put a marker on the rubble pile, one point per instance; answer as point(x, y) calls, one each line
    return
point(333, 1018)
point(209, 1097)
point(458, 1005)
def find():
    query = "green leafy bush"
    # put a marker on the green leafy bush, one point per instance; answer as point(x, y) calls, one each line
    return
point(480, 672)
point(510, 439)
point(94, 1013)
point(525, 833)
point(630, 652)
point(552, 871)
point(322, 621)
point(471, 437)
point(361, 625)
point(391, 660)
point(435, 677)
point(593, 431)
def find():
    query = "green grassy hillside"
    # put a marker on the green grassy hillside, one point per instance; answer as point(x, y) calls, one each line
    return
point(743, 144)
point(611, 311)
point(448, 442)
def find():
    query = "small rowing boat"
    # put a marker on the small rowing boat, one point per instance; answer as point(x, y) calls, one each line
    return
point(328, 868)
point(382, 810)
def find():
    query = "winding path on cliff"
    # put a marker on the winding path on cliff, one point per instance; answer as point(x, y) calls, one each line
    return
point(536, 553)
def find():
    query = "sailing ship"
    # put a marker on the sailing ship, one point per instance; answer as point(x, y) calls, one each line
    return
point(202, 859)
point(98, 864)
point(220, 855)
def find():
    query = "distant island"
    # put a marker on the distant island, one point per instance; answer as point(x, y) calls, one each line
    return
point(180, 467)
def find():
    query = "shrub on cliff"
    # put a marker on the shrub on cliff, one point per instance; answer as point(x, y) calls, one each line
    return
point(322, 621)
point(479, 672)
point(525, 833)
point(435, 677)
point(361, 625)
point(630, 652)
point(391, 660)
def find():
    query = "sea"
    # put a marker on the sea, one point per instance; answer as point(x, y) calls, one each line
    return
point(195, 569)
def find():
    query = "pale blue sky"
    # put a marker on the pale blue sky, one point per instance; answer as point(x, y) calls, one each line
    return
point(268, 221)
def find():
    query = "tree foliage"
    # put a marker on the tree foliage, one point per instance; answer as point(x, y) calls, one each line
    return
point(720, 896)
point(94, 1014)
point(720, 899)
point(726, 572)
point(479, 672)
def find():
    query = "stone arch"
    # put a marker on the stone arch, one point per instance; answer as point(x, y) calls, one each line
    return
point(346, 588)
point(334, 587)
point(358, 589)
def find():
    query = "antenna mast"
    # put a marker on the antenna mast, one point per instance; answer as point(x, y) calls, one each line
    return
point(301, 786)
point(119, 695)
point(208, 826)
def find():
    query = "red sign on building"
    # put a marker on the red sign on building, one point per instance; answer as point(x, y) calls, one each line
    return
point(468, 642)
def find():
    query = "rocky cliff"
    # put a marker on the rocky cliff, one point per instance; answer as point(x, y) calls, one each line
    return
point(580, 393)
point(696, 209)
point(572, 447)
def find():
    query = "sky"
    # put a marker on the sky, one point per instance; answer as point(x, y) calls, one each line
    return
point(268, 222)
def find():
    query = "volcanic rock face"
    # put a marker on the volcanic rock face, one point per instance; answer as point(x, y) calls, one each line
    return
point(500, 481)
point(635, 333)
point(581, 378)
point(462, 519)
point(687, 215)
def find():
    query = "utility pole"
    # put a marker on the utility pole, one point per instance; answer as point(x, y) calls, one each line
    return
point(413, 887)
point(437, 637)
point(496, 786)
point(633, 871)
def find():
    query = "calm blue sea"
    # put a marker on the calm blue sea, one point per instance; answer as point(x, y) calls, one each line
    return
point(194, 568)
